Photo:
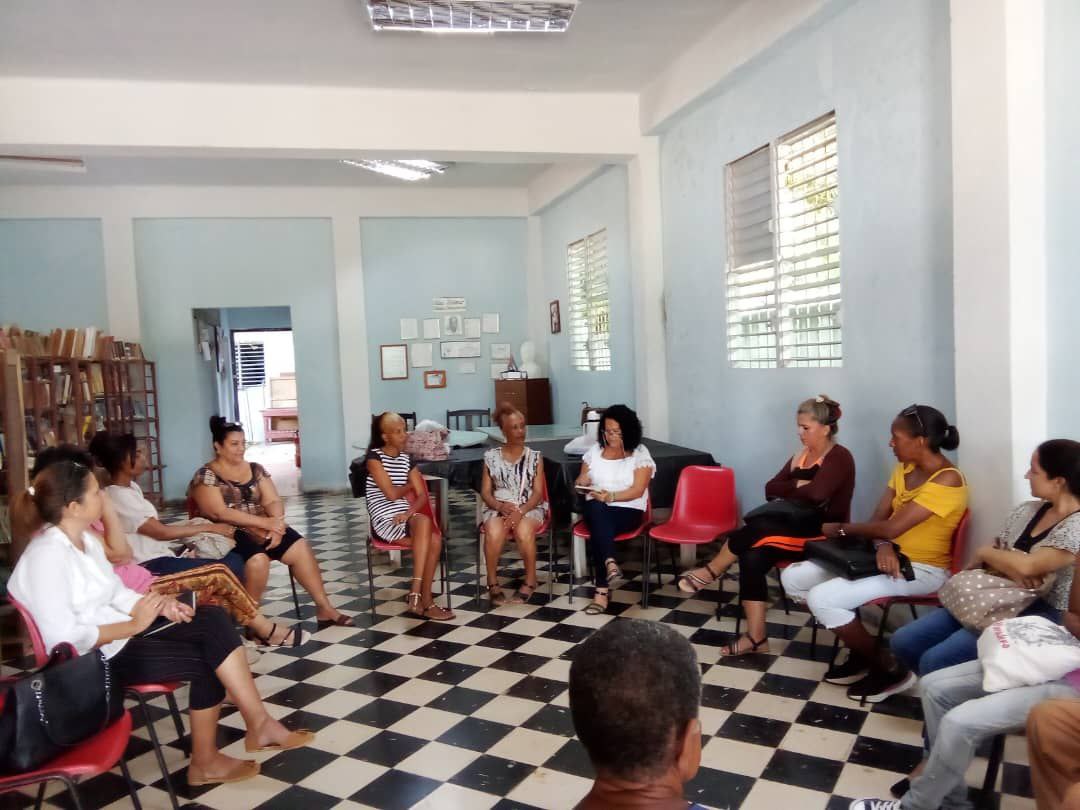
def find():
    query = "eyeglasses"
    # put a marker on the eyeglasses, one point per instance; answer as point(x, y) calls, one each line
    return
point(913, 412)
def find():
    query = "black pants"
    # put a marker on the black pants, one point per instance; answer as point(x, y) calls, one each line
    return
point(604, 522)
point(248, 544)
point(189, 652)
point(755, 563)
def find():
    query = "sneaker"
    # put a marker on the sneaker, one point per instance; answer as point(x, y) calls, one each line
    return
point(879, 685)
point(875, 804)
point(850, 671)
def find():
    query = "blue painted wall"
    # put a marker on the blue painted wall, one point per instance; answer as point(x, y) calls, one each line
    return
point(1062, 204)
point(600, 203)
point(407, 262)
point(210, 263)
point(256, 318)
point(52, 273)
point(884, 68)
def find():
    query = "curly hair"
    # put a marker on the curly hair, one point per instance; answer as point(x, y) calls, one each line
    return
point(628, 423)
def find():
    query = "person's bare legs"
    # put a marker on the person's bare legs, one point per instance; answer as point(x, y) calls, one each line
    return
point(755, 631)
point(494, 542)
point(525, 533)
point(710, 572)
point(301, 559)
point(256, 575)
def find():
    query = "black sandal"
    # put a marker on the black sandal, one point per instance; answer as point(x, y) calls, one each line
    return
point(594, 608)
point(733, 649)
point(296, 634)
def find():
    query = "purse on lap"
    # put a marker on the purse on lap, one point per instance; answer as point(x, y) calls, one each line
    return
point(978, 598)
point(853, 557)
point(46, 712)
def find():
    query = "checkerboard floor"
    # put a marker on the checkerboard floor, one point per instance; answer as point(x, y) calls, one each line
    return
point(474, 713)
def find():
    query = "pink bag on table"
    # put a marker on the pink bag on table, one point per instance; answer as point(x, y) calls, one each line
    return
point(427, 445)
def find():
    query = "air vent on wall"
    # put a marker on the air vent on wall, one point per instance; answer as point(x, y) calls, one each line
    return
point(472, 16)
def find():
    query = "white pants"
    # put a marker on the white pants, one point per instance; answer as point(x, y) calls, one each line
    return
point(833, 599)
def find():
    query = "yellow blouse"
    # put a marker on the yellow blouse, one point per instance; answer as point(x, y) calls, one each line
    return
point(930, 541)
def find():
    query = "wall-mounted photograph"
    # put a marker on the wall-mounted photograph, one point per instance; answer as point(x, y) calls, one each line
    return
point(556, 319)
point(435, 379)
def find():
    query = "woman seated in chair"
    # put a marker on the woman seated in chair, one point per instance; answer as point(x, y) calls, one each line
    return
point(917, 515)
point(511, 490)
point(147, 536)
point(65, 582)
point(813, 487)
point(395, 494)
point(616, 472)
point(241, 494)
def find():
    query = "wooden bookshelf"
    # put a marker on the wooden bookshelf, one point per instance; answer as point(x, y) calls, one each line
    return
point(131, 406)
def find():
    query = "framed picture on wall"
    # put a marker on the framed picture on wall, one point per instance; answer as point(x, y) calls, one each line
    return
point(435, 379)
point(556, 319)
point(453, 326)
point(394, 361)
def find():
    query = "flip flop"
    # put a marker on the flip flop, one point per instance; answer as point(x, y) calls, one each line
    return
point(341, 621)
point(296, 739)
point(248, 769)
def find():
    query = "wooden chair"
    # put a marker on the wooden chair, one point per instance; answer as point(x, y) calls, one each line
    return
point(410, 419)
point(474, 417)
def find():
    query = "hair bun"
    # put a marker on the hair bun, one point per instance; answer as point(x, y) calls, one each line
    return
point(951, 439)
point(217, 423)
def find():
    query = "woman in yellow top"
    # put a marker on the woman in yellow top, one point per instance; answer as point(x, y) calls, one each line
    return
point(917, 515)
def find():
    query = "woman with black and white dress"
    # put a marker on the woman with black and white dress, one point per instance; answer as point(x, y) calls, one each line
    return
point(395, 496)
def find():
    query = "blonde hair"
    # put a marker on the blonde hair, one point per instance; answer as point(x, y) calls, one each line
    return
point(823, 410)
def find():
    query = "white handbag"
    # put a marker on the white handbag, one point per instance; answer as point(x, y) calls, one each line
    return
point(1026, 651)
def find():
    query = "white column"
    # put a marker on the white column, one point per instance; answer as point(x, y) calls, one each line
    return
point(647, 274)
point(999, 246)
point(121, 279)
point(352, 329)
point(536, 321)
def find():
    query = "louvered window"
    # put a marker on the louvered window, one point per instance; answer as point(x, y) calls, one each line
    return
point(250, 366)
point(783, 274)
point(590, 311)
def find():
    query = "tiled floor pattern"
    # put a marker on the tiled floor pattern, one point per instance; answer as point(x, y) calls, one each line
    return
point(473, 714)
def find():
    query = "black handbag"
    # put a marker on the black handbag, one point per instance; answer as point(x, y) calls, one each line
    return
point(70, 699)
point(854, 557)
point(786, 517)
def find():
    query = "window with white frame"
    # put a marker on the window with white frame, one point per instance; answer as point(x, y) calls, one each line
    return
point(590, 311)
point(783, 253)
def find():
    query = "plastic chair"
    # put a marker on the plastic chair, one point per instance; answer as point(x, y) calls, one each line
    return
point(543, 529)
point(88, 759)
point(138, 692)
point(382, 545)
point(704, 509)
point(193, 511)
point(582, 530)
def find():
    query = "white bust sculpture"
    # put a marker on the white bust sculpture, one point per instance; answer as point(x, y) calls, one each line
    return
point(528, 362)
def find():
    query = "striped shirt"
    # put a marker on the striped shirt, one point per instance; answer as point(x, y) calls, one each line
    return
point(381, 510)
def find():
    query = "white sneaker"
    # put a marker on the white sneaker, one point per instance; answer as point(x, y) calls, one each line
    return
point(875, 804)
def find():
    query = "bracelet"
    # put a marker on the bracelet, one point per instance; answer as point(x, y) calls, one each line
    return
point(841, 532)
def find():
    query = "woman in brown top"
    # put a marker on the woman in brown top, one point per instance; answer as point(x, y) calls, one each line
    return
point(817, 483)
point(231, 490)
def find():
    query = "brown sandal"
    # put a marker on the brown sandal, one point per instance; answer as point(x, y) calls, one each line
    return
point(296, 739)
point(248, 769)
point(496, 595)
point(437, 614)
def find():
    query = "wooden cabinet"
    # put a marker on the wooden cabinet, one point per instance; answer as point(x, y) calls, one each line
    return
point(531, 397)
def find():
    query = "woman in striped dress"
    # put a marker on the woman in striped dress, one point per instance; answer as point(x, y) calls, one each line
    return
point(395, 496)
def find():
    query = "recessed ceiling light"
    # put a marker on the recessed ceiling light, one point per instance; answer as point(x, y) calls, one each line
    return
point(472, 16)
point(401, 169)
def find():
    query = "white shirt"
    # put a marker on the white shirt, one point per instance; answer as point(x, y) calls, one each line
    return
point(71, 593)
point(134, 510)
point(615, 474)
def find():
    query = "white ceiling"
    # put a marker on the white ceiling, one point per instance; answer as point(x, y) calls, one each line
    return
point(152, 171)
point(612, 45)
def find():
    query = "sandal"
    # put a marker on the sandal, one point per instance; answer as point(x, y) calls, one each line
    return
point(341, 621)
point(412, 599)
point(614, 573)
point(247, 769)
point(732, 650)
point(693, 583)
point(524, 593)
point(437, 614)
point(496, 595)
point(595, 608)
point(293, 638)
point(296, 739)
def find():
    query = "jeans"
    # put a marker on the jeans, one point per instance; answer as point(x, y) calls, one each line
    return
point(959, 717)
point(937, 640)
point(833, 599)
point(163, 566)
point(604, 522)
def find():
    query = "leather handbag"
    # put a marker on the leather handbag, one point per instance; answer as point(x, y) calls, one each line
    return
point(70, 699)
point(854, 557)
point(786, 517)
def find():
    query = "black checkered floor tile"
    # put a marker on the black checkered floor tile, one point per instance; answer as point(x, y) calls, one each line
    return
point(473, 713)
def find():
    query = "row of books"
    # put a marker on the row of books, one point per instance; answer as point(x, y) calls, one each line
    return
point(79, 344)
point(55, 390)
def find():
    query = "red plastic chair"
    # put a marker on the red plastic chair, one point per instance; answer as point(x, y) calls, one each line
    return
point(382, 545)
point(543, 529)
point(140, 693)
point(193, 511)
point(582, 530)
point(704, 509)
point(88, 759)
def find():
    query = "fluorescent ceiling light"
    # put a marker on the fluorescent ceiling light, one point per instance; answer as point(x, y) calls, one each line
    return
point(401, 169)
point(46, 164)
point(472, 16)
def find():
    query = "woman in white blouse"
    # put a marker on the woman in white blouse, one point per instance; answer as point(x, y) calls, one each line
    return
point(68, 586)
point(615, 473)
